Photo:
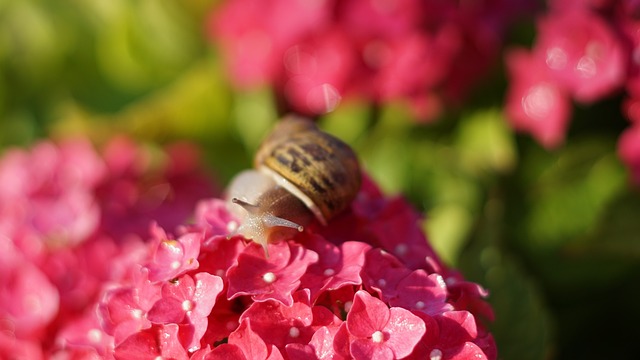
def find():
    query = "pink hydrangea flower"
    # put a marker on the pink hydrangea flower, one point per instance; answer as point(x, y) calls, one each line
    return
point(315, 53)
point(380, 332)
point(337, 292)
point(173, 257)
point(269, 279)
point(535, 102)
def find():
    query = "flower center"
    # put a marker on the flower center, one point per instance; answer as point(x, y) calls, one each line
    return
point(294, 332)
point(435, 354)
point(348, 305)
point(136, 313)
point(377, 336)
point(329, 272)
point(187, 305)
point(94, 335)
point(401, 249)
point(269, 277)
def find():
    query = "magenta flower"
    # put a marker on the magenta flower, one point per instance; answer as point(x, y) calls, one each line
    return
point(583, 54)
point(252, 345)
point(336, 292)
point(422, 53)
point(336, 267)
point(269, 279)
point(187, 301)
point(28, 300)
point(536, 103)
point(320, 346)
point(380, 332)
point(280, 325)
point(453, 335)
point(173, 257)
point(421, 292)
point(153, 343)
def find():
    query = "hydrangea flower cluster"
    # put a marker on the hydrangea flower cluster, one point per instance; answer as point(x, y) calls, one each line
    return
point(71, 223)
point(584, 51)
point(367, 286)
point(315, 52)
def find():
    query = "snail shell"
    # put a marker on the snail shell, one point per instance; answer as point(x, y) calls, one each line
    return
point(301, 173)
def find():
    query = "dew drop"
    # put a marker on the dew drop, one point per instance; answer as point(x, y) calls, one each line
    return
point(420, 305)
point(175, 264)
point(377, 336)
point(382, 282)
point(269, 277)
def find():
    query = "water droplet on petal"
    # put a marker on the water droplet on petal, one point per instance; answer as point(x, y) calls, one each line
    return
point(175, 264)
point(420, 305)
point(382, 282)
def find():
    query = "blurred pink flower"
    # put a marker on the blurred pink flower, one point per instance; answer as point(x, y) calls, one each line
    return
point(314, 53)
point(535, 102)
point(583, 53)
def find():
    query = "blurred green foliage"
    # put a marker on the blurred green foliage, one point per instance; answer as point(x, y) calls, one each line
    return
point(555, 236)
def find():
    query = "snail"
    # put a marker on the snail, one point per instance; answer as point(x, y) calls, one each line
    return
point(301, 174)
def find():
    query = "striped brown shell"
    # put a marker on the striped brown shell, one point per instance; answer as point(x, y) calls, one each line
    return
point(319, 168)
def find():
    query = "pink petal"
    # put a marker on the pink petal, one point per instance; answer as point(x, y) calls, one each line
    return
point(404, 330)
point(422, 292)
point(367, 315)
point(226, 352)
point(249, 342)
point(363, 349)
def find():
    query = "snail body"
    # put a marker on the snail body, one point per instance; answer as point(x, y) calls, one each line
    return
point(301, 174)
